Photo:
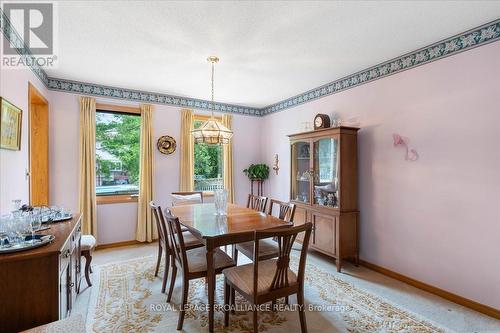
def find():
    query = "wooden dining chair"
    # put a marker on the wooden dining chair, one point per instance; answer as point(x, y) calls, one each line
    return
point(268, 248)
point(191, 263)
point(186, 198)
point(268, 280)
point(257, 203)
point(190, 242)
point(286, 210)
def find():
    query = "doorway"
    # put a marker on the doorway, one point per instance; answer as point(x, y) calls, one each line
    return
point(38, 148)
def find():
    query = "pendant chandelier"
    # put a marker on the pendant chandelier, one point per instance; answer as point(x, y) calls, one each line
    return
point(212, 132)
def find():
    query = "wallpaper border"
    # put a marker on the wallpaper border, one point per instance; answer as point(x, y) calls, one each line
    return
point(470, 39)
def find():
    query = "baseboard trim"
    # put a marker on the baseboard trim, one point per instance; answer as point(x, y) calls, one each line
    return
point(117, 244)
point(487, 310)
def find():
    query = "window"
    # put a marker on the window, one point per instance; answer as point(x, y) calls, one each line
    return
point(117, 153)
point(208, 167)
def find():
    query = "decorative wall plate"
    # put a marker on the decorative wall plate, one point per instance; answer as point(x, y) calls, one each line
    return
point(166, 144)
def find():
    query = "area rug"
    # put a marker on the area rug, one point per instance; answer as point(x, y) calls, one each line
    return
point(127, 298)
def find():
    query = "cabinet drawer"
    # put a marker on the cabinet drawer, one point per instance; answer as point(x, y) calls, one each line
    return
point(324, 233)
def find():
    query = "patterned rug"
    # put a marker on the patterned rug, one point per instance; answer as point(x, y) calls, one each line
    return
point(127, 298)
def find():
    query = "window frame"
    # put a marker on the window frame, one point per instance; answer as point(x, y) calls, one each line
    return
point(203, 118)
point(117, 198)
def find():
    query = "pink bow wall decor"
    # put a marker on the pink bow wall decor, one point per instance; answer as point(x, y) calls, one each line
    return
point(411, 153)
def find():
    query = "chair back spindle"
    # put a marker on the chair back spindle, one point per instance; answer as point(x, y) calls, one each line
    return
point(176, 241)
point(285, 239)
point(286, 211)
point(257, 203)
point(158, 217)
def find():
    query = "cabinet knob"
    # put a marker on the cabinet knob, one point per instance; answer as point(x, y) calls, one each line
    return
point(68, 254)
point(72, 284)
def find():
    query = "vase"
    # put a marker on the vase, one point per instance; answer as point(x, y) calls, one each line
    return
point(220, 200)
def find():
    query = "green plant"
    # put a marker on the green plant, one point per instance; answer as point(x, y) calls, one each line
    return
point(257, 171)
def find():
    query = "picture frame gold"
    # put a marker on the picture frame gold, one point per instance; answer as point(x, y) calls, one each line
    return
point(11, 120)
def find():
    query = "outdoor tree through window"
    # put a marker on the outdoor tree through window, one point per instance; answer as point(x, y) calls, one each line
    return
point(117, 153)
point(208, 167)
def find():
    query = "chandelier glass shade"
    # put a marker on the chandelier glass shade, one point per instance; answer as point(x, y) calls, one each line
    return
point(212, 132)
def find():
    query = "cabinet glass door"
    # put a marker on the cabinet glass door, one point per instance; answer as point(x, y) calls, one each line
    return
point(301, 175)
point(326, 172)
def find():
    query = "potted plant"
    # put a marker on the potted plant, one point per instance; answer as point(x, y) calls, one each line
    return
point(257, 172)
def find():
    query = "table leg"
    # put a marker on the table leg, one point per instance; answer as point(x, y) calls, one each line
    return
point(211, 286)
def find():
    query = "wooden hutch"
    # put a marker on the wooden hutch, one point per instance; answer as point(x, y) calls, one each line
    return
point(324, 186)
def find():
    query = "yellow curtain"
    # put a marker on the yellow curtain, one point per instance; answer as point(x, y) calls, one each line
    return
point(146, 228)
point(227, 120)
point(87, 199)
point(186, 182)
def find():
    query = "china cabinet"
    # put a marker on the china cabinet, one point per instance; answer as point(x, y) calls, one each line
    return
point(324, 186)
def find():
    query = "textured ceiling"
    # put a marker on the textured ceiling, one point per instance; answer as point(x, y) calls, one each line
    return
point(269, 50)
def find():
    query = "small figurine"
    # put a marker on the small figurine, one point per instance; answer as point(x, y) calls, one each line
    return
point(329, 201)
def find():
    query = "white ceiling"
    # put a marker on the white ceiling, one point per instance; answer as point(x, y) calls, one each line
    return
point(269, 50)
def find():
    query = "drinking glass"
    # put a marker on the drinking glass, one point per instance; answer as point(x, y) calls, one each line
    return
point(22, 227)
point(36, 224)
point(3, 230)
point(56, 212)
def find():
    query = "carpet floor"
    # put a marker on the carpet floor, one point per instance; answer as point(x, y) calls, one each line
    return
point(126, 297)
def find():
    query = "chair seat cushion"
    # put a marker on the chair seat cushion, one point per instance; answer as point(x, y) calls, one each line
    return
point(242, 276)
point(88, 242)
point(197, 260)
point(187, 199)
point(268, 249)
point(190, 241)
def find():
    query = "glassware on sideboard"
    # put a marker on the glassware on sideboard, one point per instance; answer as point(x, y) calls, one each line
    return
point(35, 223)
point(4, 230)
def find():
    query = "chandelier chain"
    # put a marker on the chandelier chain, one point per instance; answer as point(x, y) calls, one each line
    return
point(213, 88)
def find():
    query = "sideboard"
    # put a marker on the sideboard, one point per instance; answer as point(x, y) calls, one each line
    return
point(324, 187)
point(40, 286)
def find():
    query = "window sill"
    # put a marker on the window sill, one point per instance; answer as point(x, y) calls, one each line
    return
point(112, 199)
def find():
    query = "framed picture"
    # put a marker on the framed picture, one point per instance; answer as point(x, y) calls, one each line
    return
point(10, 125)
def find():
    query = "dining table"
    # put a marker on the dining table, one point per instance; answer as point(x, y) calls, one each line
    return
point(214, 230)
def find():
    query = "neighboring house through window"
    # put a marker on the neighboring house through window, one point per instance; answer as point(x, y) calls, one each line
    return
point(117, 153)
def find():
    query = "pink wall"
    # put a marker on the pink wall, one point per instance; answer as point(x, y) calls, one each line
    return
point(117, 222)
point(13, 164)
point(436, 220)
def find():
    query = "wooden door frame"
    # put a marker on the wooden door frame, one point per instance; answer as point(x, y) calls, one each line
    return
point(34, 97)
